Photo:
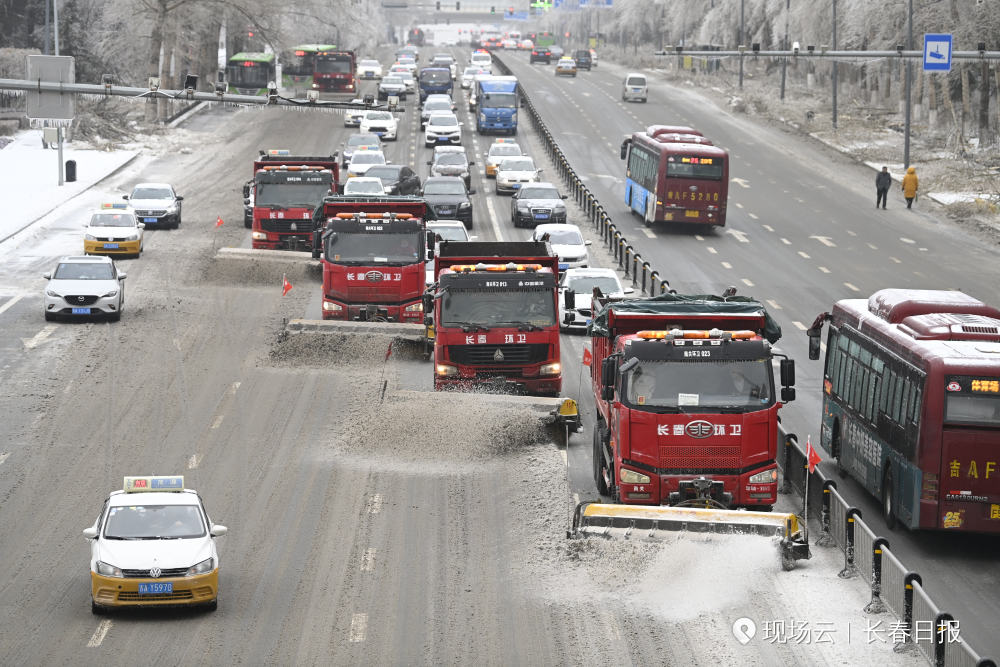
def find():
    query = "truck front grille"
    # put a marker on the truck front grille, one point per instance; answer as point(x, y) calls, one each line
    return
point(510, 354)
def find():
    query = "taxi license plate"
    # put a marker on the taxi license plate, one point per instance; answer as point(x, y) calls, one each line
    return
point(149, 219)
point(81, 311)
point(111, 246)
point(156, 588)
point(692, 214)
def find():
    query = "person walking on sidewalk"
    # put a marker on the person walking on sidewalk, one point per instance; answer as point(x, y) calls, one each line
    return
point(882, 182)
point(910, 186)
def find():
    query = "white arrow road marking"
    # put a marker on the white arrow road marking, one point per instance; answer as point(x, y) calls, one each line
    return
point(740, 236)
point(99, 634)
point(40, 337)
point(359, 624)
point(740, 182)
point(825, 240)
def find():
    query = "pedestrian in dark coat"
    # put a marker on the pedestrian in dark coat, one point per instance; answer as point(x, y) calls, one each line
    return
point(882, 182)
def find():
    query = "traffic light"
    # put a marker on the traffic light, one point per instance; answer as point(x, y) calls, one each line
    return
point(438, 5)
point(493, 10)
point(567, 34)
point(458, 6)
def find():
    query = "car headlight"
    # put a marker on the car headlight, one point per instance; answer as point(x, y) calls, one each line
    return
point(550, 369)
point(90, 237)
point(445, 370)
point(132, 237)
point(204, 567)
point(52, 293)
point(258, 236)
point(112, 293)
point(414, 308)
point(632, 477)
point(172, 208)
point(464, 205)
point(108, 570)
point(766, 477)
point(332, 307)
point(523, 206)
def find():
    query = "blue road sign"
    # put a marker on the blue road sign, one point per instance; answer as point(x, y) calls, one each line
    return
point(937, 52)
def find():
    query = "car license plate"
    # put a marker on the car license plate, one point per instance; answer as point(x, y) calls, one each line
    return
point(81, 311)
point(692, 214)
point(111, 246)
point(379, 134)
point(515, 185)
point(149, 219)
point(637, 90)
point(541, 216)
point(156, 587)
point(444, 138)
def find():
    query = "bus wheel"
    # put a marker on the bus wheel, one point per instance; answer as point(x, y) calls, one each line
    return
point(647, 219)
point(602, 487)
point(888, 509)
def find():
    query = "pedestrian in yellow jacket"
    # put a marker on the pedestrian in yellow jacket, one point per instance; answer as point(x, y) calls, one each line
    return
point(910, 186)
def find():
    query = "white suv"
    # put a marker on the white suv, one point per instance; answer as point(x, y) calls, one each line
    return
point(443, 128)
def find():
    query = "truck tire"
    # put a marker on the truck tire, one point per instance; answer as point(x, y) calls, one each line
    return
point(602, 487)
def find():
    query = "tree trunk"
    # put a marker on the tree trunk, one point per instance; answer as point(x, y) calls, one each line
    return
point(168, 78)
point(966, 107)
point(985, 136)
point(155, 45)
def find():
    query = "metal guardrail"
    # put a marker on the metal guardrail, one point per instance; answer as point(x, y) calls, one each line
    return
point(922, 625)
point(644, 277)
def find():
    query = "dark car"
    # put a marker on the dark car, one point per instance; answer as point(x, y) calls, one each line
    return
point(398, 179)
point(449, 199)
point(537, 203)
point(582, 58)
point(556, 51)
point(540, 54)
point(452, 164)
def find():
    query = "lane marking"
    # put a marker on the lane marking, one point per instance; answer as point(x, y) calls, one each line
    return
point(824, 269)
point(368, 560)
point(218, 421)
point(803, 255)
point(712, 250)
point(773, 304)
point(747, 282)
point(493, 218)
point(193, 461)
point(99, 634)
point(850, 233)
point(752, 216)
point(40, 337)
point(699, 237)
point(3, 457)
point(740, 236)
point(873, 246)
point(233, 387)
point(359, 625)
point(768, 228)
point(738, 205)
point(648, 232)
point(374, 504)
point(851, 287)
point(825, 240)
point(9, 304)
point(786, 241)
point(740, 182)
point(896, 260)
point(799, 325)
point(727, 265)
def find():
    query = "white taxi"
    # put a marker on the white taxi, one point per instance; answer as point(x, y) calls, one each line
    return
point(152, 545)
point(501, 148)
point(113, 230)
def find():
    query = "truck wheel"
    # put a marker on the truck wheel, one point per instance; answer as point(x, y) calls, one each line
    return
point(602, 487)
point(888, 506)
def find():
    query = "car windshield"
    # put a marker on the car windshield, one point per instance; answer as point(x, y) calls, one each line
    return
point(636, 81)
point(499, 101)
point(154, 522)
point(290, 194)
point(83, 271)
point(365, 187)
point(436, 105)
point(452, 159)
point(152, 193)
point(443, 120)
point(378, 115)
point(586, 284)
point(393, 80)
point(471, 71)
point(375, 248)
point(513, 164)
point(538, 193)
point(501, 150)
point(368, 157)
point(369, 63)
point(563, 236)
point(448, 187)
point(450, 232)
point(333, 64)
point(495, 307)
point(363, 140)
point(387, 174)
point(733, 384)
point(435, 76)
point(112, 220)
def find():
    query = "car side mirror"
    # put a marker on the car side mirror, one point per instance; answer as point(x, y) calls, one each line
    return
point(179, 198)
point(472, 163)
point(564, 196)
point(472, 191)
point(47, 275)
point(569, 299)
point(125, 197)
point(628, 290)
point(608, 373)
point(587, 242)
point(430, 162)
point(428, 301)
point(246, 201)
point(787, 394)
point(90, 533)
point(218, 531)
point(122, 275)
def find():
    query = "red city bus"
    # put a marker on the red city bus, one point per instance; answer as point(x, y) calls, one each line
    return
point(911, 404)
point(336, 72)
point(673, 174)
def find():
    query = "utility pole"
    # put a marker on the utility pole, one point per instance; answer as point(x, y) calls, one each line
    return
point(909, 84)
point(48, 28)
point(834, 65)
point(742, 4)
point(59, 129)
point(784, 61)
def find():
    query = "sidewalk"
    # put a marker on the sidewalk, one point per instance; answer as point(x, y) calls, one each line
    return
point(29, 178)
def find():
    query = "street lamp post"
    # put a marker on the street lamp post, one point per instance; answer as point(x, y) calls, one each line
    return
point(784, 61)
point(742, 3)
point(909, 83)
point(834, 74)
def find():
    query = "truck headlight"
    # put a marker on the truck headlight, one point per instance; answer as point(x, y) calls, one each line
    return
point(204, 567)
point(108, 570)
point(482, 117)
point(414, 308)
point(258, 236)
point(550, 369)
point(632, 477)
point(766, 477)
point(445, 370)
point(332, 307)
point(513, 117)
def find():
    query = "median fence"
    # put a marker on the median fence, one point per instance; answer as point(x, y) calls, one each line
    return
point(921, 626)
point(644, 277)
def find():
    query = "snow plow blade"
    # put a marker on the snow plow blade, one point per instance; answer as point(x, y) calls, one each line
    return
point(410, 332)
point(647, 522)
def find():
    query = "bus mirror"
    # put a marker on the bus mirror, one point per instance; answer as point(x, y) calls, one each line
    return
point(569, 299)
point(787, 394)
point(787, 372)
point(814, 345)
point(624, 148)
point(608, 368)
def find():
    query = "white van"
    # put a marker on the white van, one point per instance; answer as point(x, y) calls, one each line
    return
point(634, 87)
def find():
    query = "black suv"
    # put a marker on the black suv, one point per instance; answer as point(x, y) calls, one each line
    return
point(582, 58)
point(540, 54)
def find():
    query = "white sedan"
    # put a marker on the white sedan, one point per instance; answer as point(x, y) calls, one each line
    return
point(362, 161)
point(369, 69)
point(382, 124)
point(582, 283)
point(513, 172)
point(567, 242)
point(443, 129)
point(364, 185)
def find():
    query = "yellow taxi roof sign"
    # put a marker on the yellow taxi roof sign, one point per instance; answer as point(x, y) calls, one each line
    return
point(153, 483)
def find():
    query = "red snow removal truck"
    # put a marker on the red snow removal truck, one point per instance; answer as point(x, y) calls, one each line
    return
point(373, 252)
point(280, 199)
point(494, 317)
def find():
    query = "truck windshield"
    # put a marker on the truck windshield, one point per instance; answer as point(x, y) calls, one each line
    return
point(333, 65)
point(435, 76)
point(691, 385)
point(499, 101)
point(290, 194)
point(497, 307)
point(399, 249)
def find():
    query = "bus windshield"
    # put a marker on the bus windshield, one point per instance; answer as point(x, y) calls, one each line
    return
point(740, 385)
point(497, 307)
point(399, 249)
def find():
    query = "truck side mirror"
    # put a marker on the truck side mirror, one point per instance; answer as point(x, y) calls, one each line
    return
point(428, 301)
point(317, 243)
point(246, 190)
point(787, 394)
point(569, 299)
point(608, 373)
point(813, 345)
point(787, 372)
point(607, 393)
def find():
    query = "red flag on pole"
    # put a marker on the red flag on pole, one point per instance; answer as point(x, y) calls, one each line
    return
point(218, 221)
point(286, 286)
point(587, 356)
point(812, 457)
point(388, 352)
